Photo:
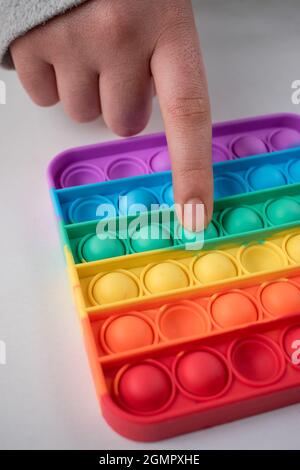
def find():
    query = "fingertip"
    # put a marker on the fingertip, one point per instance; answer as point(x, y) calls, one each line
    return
point(83, 117)
point(194, 214)
point(124, 128)
point(193, 194)
point(45, 101)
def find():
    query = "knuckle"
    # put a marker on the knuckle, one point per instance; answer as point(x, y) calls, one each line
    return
point(197, 167)
point(67, 36)
point(44, 101)
point(194, 172)
point(189, 112)
point(83, 114)
point(123, 130)
point(81, 100)
point(22, 52)
point(127, 123)
point(118, 26)
point(124, 126)
point(40, 91)
point(171, 31)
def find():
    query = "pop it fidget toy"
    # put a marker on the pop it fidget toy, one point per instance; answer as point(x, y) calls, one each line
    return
point(185, 331)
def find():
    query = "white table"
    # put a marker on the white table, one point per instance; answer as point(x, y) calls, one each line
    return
point(47, 399)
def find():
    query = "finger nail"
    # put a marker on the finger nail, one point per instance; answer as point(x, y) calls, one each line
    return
point(194, 215)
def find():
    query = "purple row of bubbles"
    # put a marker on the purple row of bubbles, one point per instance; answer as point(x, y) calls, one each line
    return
point(80, 173)
point(250, 145)
point(148, 154)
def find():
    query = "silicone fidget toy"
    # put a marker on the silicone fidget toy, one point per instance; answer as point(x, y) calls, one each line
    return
point(185, 331)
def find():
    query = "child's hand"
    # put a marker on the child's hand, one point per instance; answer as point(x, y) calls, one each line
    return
point(101, 57)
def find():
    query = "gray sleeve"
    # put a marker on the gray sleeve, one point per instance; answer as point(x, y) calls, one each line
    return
point(19, 16)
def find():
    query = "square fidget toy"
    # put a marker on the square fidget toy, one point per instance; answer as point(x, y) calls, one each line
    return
point(186, 331)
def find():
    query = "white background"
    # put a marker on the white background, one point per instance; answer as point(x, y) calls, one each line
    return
point(47, 399)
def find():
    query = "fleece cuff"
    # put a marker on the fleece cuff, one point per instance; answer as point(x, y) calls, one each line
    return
point(17, 17)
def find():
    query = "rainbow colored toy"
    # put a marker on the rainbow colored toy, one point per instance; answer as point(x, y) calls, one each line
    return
point(182, 336)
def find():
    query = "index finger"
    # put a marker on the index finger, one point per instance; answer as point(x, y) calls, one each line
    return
point(181, 86)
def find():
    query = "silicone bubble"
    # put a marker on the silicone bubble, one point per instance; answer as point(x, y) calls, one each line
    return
point(126, 332)
point(213, 267)
point(183, 320)
point(240, 220)
point(285, 138)
point(145, 388)
point(90, 208)
point(160, 161)
point(219, 154)
point(233, 309)
point(166, 276)
point(203, 374)
point(281, 298)
point(168, 195)
point(136, 201)
point(248, 145)
point(91, 248)
point(113, 287)
point(294, 171)
point(79, 174)
point(228, 185)
point(126, 168)
point(151, 237)
point(283, 211)
point(257, 360)
point(291, 345)
point(211, 232)
point(266, 176)
point(293, 247)
point(263, 257)
point(186, 236)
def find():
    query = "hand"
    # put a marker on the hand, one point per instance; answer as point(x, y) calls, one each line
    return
point(103, 56)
